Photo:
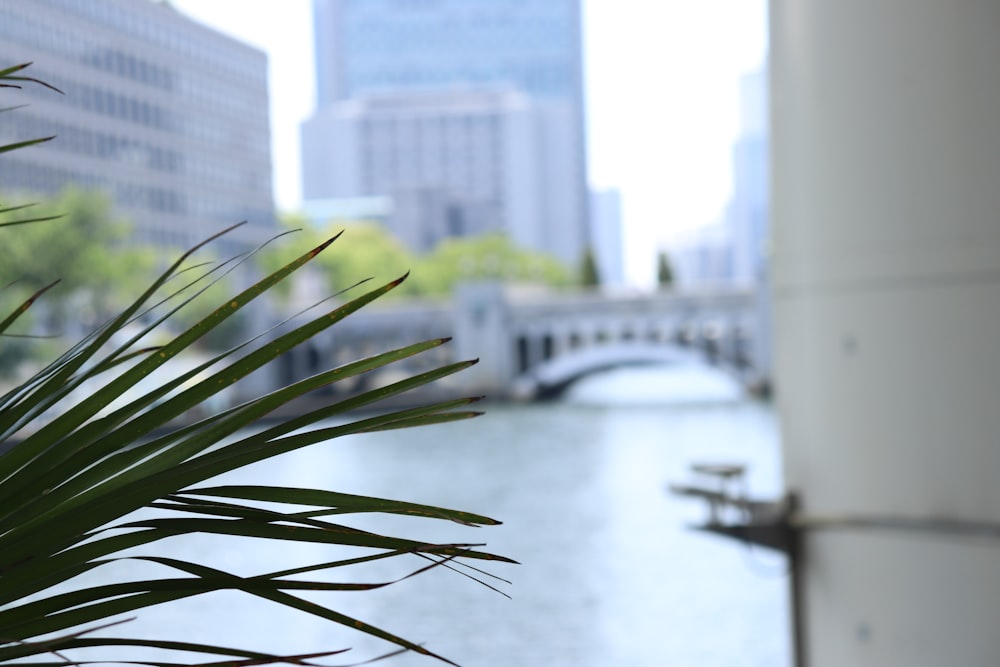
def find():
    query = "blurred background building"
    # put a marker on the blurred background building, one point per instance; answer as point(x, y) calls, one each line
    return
point(606, 236)
point(468, 115)
point(733, 250)
point(165, 115)
point(748, 211)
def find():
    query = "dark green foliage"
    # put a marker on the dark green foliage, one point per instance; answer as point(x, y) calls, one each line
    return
point(85, 445)
point(435, 274)
point(589, 274)
point(664, 271)
point(79, 244)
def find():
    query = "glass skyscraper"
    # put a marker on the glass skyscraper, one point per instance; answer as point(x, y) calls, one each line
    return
point(377, 45)
point(492, 88)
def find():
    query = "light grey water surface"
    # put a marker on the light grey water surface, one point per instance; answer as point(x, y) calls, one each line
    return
point(610, 574)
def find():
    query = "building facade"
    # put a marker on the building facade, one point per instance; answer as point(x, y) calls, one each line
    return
point(734, 249)
point(453, 163)
point(469, 115)
point(167, 116)
point(749, 211)
point(606, 236)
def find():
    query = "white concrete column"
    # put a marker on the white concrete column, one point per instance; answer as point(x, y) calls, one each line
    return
point(886, 175)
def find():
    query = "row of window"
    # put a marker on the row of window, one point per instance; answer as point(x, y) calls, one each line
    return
point(212, 129)
point(489, 11)
point(221, 119)
point(69, 44)
point(104, 102)
point(382, 177)
point(398, 120)
point(454, 35)
point(122, 107)
point(555, 79)
point(224, 109)
point(28, 26)
point(163, 26)
point(19, 175)
point(431, 149)
point(214, 124)
point(460, 151)
point(128, 66)
point(93, 143)
point(211, 169)
point(162, 200)
point(442, 158)
point(23, 175)
point(468, 143)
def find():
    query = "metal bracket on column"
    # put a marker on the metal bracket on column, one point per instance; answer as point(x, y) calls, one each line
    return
point(731, 513)
point(765, 523)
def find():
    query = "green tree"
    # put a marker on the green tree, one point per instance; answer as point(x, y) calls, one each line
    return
point(486, 257)
point(371, 252)
point(80, 245)
point(664, 271)
point(589, 274)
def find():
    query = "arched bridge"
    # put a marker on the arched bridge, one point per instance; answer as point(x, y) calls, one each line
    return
point(532, 343)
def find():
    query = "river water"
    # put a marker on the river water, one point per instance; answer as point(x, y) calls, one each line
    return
point(610, 573)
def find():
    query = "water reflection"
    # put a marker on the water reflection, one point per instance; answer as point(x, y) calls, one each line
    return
point(609, 574)
point(676, 385)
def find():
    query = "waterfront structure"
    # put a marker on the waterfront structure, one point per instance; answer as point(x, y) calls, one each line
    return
point(167, 116)
point(469, 115)
point(886, 271)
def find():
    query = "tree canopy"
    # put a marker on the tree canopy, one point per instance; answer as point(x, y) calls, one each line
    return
point(83, 248)
point(664, 271)
point(487, 257)
point(369, 250)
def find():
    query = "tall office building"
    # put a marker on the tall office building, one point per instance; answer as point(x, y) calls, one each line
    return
point(468, 114)
point(606, 235)
point(733, 250)
point(166, 115)
point(749, 208)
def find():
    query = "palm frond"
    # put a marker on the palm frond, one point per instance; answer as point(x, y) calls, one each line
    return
point(87, 452)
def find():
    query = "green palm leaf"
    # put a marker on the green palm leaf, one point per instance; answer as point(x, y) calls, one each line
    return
point(83, 449)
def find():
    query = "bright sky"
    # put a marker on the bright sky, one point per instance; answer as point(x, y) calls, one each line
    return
point(661, 79)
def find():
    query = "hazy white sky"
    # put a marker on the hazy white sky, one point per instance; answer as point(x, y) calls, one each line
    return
point(661, 79)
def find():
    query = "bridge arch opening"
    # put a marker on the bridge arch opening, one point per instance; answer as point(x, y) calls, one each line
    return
point(552, 377)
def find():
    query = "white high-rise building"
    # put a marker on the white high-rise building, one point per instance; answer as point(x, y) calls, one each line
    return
point(452, 163)
point(606, 236)
point(468, 115)
point(733, 250)
point(748, 212)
